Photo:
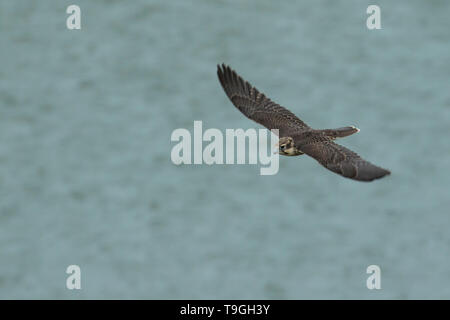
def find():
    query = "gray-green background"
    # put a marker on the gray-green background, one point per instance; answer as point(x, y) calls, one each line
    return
point(85, 171)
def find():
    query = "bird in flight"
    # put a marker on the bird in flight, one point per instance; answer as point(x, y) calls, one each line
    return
point(296, 137)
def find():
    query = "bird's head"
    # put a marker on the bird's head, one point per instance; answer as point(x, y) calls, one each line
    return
point(286, 147)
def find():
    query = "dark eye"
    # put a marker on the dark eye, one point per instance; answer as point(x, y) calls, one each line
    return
point(282, 147)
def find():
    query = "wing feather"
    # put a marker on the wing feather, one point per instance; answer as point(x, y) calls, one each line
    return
point(343, 161)
point(256, 106)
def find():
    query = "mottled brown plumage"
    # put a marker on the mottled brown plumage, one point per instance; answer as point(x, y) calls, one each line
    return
point(296, 137)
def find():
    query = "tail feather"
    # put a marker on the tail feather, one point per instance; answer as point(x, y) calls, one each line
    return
point(339, 132)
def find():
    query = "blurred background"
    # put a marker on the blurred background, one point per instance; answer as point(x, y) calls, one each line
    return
point(85, 171)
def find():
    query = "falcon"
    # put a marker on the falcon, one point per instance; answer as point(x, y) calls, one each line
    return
point(296, 137)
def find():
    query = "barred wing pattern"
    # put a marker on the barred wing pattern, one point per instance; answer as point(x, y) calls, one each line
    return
point(256, 106)
point(343, 161)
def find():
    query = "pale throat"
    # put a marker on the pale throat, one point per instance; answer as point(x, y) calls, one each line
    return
point(292, 151)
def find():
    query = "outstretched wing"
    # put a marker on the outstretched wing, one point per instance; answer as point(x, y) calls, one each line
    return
point(342, 160)
point(256, 105)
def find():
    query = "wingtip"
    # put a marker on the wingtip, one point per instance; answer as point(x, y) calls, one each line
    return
point(383, 173)
point(222, 67)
